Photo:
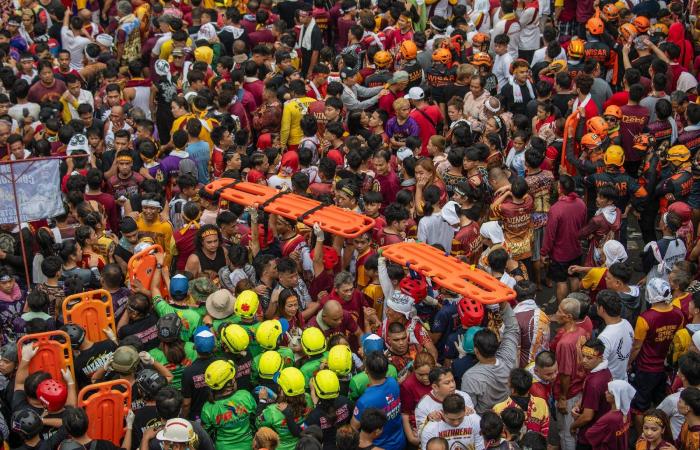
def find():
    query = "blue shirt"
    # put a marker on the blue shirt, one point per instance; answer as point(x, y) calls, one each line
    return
point(385, 396)
point(445, 321)
point(199, 152)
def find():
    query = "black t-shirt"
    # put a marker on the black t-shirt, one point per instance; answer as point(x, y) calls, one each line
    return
point(244, 371)
point(101, 444)
point(145, 418)
point(316, 45)
point(144, 329)
point(456, 90)
point(194, 386)
point(343, 413)
point(47, 444)
point(561, 101)
point(287, 9)
point(88, 361)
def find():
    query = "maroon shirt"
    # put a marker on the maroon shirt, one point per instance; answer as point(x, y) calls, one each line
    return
point(110, 206)
point(566, 351)
point(347, 328)
point(634, 121)
point(565, 218)
point(610, 432)
point(593, 397)
point(256, 90)
point(412, 391)
point(388, 185)
point(660, 326)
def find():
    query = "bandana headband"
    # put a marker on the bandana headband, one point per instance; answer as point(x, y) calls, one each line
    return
point(210, 233)
point(587, 351)
point(654, 420)
point(125, 158)
point(5, 278)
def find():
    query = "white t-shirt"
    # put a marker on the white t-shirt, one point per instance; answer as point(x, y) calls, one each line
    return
point(530, 29)
point(618, 339)
point(465, 436)
point(429, 404)
point(501, 68)
point(670, 406)
point(75, 46)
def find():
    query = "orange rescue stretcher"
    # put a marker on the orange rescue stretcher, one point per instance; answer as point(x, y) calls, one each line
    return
point(142, 266)
point(54, 353)
point(449, 272)
point(106, 404)
point(332, 219)
point(92, 310)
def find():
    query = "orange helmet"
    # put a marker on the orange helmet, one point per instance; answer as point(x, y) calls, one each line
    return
point(591, 141)
point(610, 12)
point(595, 26)
point(480, 39)
point(482, 59)
point(613, 110)
point(577, 48)
point(659, 28)
point(642, 24)
point(597, 125)
point(408, 50)
point(642, 141)
point(442, 55)
point(628, 31)
point(383, 59)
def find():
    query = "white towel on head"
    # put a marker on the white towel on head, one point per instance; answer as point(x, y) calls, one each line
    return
point(614, 252)
point(658, 290)
point(623, 393)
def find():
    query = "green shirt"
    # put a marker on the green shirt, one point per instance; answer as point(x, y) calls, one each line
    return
point(310, 367)
point(190, 317)
point(274, 418)
point(175, 369)
point(287, 361)
point(359, 382)
point(254, 348)
point(227, 420)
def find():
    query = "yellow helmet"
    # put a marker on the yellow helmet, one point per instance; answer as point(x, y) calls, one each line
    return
point(219, 373)
point(614, 156)
point(326, 384)
point(269, 364)
point(292, 381)
point(235, 338)
point(678, 154)
point(268, 333)
point(313, 341)
point(340, 359)
point(246, 304)
point(383, 59)
point(577, 49)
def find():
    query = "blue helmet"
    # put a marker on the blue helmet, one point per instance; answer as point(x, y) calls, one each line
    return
point(204, 340)
point(179, 287)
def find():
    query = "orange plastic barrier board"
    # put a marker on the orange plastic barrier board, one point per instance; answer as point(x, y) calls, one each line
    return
point(143, 265)
point(449, 272)
point(332, 219)
point(91, 310)
point(106, 405)
point(54, 353)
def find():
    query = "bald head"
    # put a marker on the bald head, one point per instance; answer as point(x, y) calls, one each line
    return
point(332, 313)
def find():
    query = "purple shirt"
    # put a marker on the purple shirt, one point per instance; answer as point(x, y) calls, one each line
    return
point(401, 132)
point(170, 165)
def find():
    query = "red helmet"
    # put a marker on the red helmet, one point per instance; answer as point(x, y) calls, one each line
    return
point(416, 288)
point(682, 209)
point(52, 394)
point(471, 312)
point(330, 257)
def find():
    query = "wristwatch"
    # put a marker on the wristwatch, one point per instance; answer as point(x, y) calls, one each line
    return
point(159, 266)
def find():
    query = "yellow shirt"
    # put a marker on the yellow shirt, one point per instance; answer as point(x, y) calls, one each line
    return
point(294, 110)
point(374, 291)
point(160, 231)
point(167, 48)
point(681, 343)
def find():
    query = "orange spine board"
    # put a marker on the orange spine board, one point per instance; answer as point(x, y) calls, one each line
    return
point(107, 404)
point(332, 219)
point(54, 353)
point(92, 310)
point(449, 272)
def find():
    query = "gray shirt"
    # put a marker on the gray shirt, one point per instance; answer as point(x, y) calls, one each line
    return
point(600, 92)
point(485, 382)
point(650, 104)
point(351, 97)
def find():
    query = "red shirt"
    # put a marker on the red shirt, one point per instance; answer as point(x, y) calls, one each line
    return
point(610, 432)
point(565, 347)
point(110, 206)
point(593, 397)
point(467, 243)
point(565, 218)
point(656, 330)
point(347, 327)
point(386, 102)
point(412, 391)
point(256, 90)
point(427, 126)
point(353, 306)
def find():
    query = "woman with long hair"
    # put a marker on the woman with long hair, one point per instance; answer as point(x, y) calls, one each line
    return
point(413, 388)
point(432, 228)
point(426, 175)
point(331, 410)
point(358, 122)
point(47, 247)
point(288, 308)
point(656, 432)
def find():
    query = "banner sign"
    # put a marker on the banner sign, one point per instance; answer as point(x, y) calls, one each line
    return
point(38, 190)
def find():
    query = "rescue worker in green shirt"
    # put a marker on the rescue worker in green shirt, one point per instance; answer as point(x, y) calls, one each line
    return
point(235, 341)
point(174, 353)
point(227, 416)
point(313, 343)
point(178, 287)
point(268, 336)
point(270, 365)
point(289, 412)
point(246, 309)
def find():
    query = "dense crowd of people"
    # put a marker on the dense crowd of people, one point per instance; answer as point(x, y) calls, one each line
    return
point(535, 141)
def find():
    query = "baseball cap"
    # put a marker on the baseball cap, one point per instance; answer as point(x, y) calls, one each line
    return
point(372, 343)
point(415, 93)
point(347, 72)
point(178, 52)
point(204, 341)
point(9, 352)
point(187, 167)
